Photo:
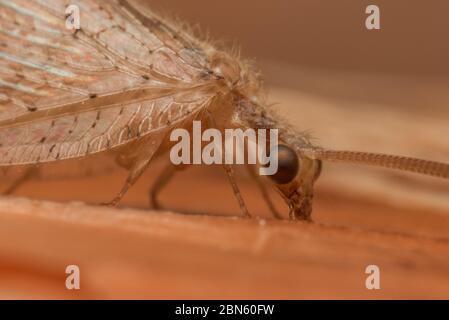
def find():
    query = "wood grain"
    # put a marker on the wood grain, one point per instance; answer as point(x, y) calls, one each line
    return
point(136, 254)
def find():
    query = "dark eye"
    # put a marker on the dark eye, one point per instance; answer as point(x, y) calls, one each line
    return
point(288, 165)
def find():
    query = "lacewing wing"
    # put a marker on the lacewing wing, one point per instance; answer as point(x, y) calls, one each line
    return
point(123, 81)
point(70, 94)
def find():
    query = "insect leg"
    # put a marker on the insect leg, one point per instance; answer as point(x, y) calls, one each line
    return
point(139, 165)
point(168, 173)
point(136, 171)
point(162, 180)
point(264, 191)
point(27, 175)
point(230, 173)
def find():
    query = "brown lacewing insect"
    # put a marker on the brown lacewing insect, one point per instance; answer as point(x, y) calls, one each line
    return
point(126, 78)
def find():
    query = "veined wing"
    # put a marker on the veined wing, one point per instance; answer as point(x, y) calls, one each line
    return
point(66, 93)
point(86, 132)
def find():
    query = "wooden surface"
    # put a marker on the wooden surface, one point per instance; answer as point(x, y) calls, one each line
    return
point(137, 254)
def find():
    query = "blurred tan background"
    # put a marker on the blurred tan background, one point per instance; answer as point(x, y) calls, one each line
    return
point(329, 34)
point(322, 49)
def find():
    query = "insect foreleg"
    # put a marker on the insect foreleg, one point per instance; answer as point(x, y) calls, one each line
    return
point(230, 173)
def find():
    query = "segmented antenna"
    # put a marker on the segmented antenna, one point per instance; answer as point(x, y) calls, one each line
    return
point(430, 168)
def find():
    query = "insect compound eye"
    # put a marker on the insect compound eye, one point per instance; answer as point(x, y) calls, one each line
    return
point(288, 165)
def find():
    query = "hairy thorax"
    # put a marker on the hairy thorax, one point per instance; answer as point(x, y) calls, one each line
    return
point(241, 90)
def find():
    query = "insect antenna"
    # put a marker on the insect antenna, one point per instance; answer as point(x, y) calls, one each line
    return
point(430, 168)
